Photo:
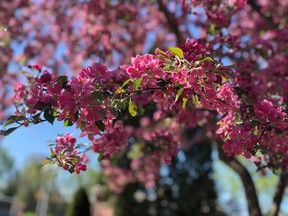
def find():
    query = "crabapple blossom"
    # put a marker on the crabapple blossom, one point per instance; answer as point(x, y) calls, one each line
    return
point(112, 141)
point(170, 79)
point(231, 82)
point(267, 113)
point(66, 154)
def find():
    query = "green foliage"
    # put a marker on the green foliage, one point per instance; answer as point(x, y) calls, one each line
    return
point(29, 214)
point(80, 205)
point(127, 205)
point(137, 83)
point(132, 108)
point(100, 125)
point(9, 131)
point(62, 80)
point(179, 94)
point(49, 115)
point(6, 162)
point(176, 51)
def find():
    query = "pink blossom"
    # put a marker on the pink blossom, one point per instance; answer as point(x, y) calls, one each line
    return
point(65, 142)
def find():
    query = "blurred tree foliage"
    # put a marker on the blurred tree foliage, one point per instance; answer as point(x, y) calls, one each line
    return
point(185, 186)
point(188, 185)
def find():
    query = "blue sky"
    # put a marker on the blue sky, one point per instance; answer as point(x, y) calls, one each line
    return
point(33, 140)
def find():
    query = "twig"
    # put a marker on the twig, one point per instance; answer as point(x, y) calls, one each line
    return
point(275, 207)
point(248, 184)
point(171, 21)
point(258, 9)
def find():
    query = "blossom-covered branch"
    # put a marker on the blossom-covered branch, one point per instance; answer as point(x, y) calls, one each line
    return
point(184, 77)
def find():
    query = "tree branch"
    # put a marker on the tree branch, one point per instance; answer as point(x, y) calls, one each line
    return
point(275, 207)
point(258, 9)
point(171, 21)
point(248, 184)
point(255, 7)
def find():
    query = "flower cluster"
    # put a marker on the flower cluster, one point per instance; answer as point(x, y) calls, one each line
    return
point(161, 144)
point(267, 113)
point(240, 141)
point(180, 73)
point(117, 178)
point(66, 154)
point(184, 77)
point(147, 67)
point(144, 170)
point(277, 148)
point(43, 91)
point(66, 142)
point(112, 141)
point(80, 100)
point(20, 92)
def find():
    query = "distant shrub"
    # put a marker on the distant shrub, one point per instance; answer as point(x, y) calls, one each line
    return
point(80, 205)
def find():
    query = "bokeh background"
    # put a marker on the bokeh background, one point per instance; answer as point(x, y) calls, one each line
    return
point(66, 36)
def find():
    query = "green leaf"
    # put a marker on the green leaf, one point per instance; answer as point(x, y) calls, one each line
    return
point(71, 169)
point(55, 113)
point(9, 122)
point(121, 104)
point(98, 95)
point(102, 113)
point(45, 107)
point(212, 29)
point(48, 115)
point(176, 51)
point(9, 131)
point(179, 94)
point(113, 111)
point(137, 83)
point(255, 123)
point(120, 90)
point(12, 117)
point(166, 68)
point(176, 85)
point(82, 125)
point(20, 118)
point(162, 83)
point(76, 116)
point(141, 110)
point(100, 125)
point(47, 161)
point(27, 74)
point(195, 99)
point(132, 108)
point(62, 80)
point(161, 52)
point(206, 59)
point(52, 155)
point(126, 82)
point(184, 102)
point(35, 117)
point(67, 123)
point(100, 157)
point(256, 131)
point(224, 79)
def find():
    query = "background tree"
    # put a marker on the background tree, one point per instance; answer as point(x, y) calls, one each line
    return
point(249, 96)
point(116, 29)
point(35, 190)
point(6, 163)
point(188, 174)
point(80, 204)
